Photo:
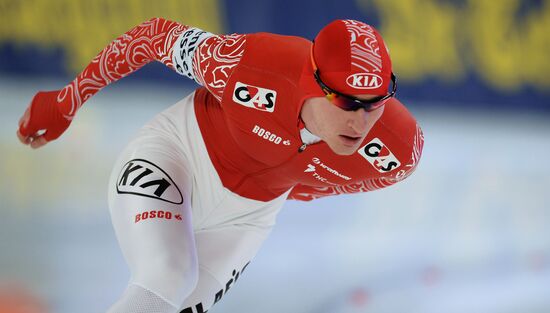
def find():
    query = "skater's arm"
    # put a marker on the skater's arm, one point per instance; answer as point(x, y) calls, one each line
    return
point(150, 41)
point(413, 149)
point(50, 113)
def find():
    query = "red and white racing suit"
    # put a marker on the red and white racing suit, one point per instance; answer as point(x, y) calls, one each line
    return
point(196, 192)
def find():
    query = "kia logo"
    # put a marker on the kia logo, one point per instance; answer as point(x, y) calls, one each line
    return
point(364, 81)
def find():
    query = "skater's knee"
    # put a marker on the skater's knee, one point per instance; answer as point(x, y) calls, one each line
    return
point(172, 278)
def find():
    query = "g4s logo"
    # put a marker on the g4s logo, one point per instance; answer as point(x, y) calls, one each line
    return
point(255, 97)
point(379, 156)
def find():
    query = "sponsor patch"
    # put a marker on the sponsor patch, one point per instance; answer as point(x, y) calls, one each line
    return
point(313, 170)
point(156, 214)
point(184, 49)
point(364, 81)
point(379, 156)
point(329, 169)
point(269, 136)
point(199, 308)
point(310, 168)
point(255, 97)
point(143, 178)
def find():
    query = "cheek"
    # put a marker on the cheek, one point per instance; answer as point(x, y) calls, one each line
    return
point(326, 117)
point(334, 121)
point(375, 115)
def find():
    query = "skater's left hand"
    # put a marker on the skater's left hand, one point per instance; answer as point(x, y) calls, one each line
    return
point(42, 122)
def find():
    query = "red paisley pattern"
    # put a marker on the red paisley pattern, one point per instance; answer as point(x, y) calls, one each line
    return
point(308, 193)
point(213, 63)
point(149, 41)
point(215, 60)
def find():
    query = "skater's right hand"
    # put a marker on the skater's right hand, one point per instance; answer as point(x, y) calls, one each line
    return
point(42, 121)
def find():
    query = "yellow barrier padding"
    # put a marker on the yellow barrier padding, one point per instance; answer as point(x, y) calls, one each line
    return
point(82, 28)
point(506, 44)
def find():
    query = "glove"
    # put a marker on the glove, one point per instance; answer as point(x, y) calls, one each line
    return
point(43, 120)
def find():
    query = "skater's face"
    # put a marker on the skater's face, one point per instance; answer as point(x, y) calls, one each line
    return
point(341, 120)
point(342, 130)
point(356, 102)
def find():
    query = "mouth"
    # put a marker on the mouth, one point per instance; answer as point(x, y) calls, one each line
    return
point(349, 141)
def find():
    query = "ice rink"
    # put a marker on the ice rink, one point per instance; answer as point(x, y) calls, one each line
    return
point(469, 231)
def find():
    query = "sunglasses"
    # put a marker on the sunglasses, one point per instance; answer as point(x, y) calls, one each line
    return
point(351, 103)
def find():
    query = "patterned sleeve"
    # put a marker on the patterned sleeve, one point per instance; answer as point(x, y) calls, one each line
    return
point(152, 40)
point(308, 193)
point(215, 60)
point(192, 52)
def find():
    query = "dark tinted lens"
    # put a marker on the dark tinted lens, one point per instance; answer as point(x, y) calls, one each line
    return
point(348, 104)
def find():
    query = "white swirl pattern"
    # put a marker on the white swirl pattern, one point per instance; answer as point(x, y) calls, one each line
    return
point(215, 61)
point(365, 50)
point(149, 41)
point(309, 193)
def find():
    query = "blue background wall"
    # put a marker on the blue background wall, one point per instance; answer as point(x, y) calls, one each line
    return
point(478, 53)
